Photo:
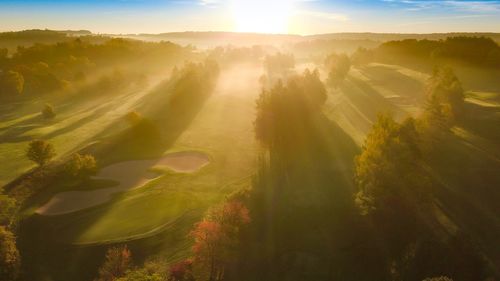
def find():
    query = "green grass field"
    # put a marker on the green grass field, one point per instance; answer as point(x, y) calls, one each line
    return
point(157, 217)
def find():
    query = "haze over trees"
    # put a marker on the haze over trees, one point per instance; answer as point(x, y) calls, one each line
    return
point(348, 159)
point(338, 67)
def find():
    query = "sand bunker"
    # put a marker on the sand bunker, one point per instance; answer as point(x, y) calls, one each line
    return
point(129, 175)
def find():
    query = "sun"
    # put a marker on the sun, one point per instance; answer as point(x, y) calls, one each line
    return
point(261, 16)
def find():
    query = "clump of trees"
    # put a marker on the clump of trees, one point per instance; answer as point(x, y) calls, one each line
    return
point(193, 82)
point(216, 239)
point(283, 110)
point(40, 152)
point(48, 111)
point(390, 169)
point(443, 108)
point(80, 166)
point(478, 51)
point(445, 93)
point(47, 68)
point(391, 164)
point(338, 67)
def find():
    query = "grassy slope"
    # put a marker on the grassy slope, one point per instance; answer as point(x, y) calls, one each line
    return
point(466, 166)
point(163, 212)
point(84, 118)
point(223, 129)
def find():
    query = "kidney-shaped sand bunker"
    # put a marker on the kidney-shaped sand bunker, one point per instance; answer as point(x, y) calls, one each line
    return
point(128, 174)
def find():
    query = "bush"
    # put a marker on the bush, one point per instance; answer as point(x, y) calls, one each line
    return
point(7, 209)
point(48, 111)
point(10, 261)
point(81, 166)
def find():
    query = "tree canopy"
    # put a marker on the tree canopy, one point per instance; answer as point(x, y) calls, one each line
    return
point(40, 152)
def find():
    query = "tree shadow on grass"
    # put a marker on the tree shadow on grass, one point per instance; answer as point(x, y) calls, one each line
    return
point(39, 238)
point(467, 188)
point(304, 222)
point(400, 84)
point(483, 121)
point(368, 100)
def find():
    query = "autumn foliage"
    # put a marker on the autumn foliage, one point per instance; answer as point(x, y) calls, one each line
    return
point(216, 238)
point(118, 261)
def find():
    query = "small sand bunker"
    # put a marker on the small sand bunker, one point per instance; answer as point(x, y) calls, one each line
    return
point(184, 162)
point(128, 174)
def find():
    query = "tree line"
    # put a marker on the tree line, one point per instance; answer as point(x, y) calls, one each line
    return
point(474, 51)
point(48, 68)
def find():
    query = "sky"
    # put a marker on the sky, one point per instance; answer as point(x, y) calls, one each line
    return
point(268, 16)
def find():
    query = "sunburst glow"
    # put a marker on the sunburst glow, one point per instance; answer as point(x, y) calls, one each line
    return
point(261, 16)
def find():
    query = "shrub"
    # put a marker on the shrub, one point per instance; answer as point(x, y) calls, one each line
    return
point(7, 209)
point(48, 111)
point(81, 166)
point(10, 261)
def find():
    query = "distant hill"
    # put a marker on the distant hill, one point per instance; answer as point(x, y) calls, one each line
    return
point(401, 36)
point(11, 40)
point(210, 39)
point(76, 32)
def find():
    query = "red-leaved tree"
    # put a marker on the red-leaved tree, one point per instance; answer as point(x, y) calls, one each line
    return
point(216, 238)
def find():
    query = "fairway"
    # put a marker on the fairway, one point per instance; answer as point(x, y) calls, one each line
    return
point(166, 195)
point(243, 157)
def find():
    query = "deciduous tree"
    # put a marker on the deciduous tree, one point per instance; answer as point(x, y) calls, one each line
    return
point(338, 67)
point(216, 238)
point(40, 152)
point(118, 261)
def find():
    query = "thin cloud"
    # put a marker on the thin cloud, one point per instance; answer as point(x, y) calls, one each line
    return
point(324, 15)
point(454, 5)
